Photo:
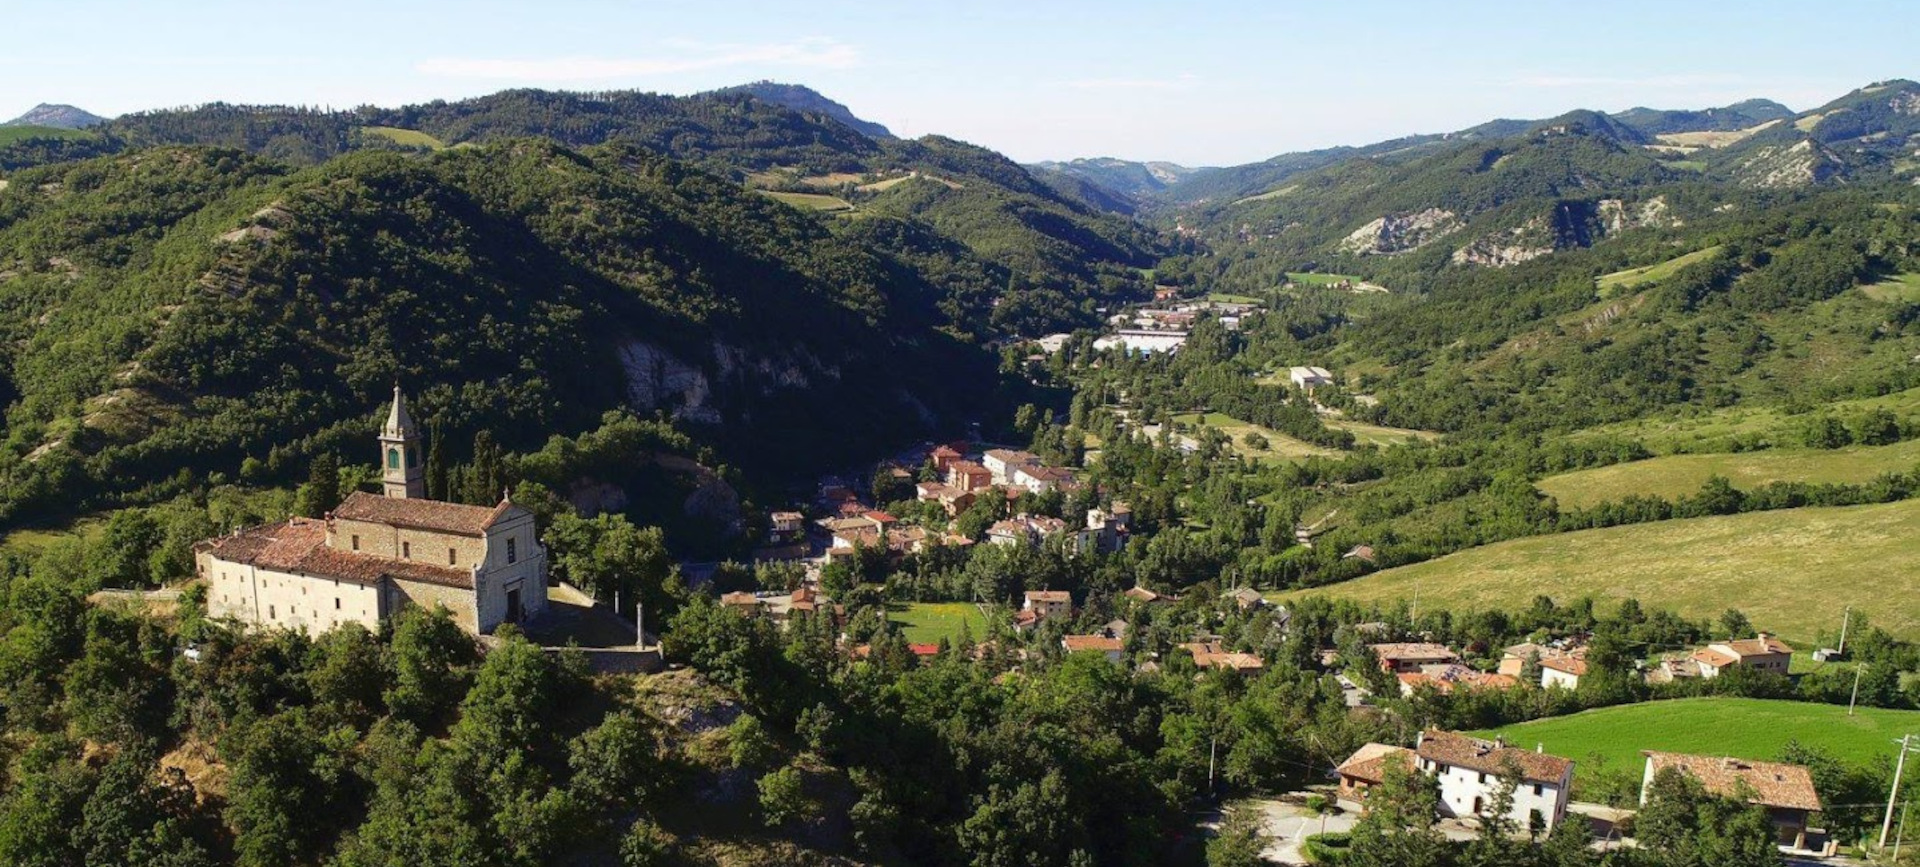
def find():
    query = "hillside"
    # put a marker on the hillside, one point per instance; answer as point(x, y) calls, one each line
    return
point(1676, 476)
point(240, 312)
point(805, 99)
point(1744, 728)
point(1779, 567)
point(58, 116)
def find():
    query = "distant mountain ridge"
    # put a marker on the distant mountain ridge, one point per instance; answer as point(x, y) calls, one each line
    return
point(799, 97)
point(57, 115)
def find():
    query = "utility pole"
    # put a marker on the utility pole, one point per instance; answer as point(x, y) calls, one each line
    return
point(1856, 687)
point(1899, 766)
point(640, 625)
point(1846, 620)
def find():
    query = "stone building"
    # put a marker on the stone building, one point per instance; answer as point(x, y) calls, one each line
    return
point(376, 554)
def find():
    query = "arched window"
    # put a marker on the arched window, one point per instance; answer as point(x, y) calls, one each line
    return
point(393, 459)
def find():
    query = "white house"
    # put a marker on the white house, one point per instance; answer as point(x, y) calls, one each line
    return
point(1470, 772)
point(1003, 462)
point(1308, 377)
point(1562, 670)
point(1049, 603)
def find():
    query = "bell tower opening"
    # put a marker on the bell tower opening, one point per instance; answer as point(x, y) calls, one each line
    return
point(401, 476)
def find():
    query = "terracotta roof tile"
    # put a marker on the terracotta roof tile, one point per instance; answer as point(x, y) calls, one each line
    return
point(1368, 764)
point(1491, 757)
point(1770, 784)
point(456, 518)
point(299, 546)
point(1076, 643)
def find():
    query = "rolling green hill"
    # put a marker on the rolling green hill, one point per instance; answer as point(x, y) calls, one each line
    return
point(1743, 728)
point(1791, 571)
point(1676, 476)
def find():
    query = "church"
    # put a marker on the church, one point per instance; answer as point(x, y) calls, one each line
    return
point(376, 554)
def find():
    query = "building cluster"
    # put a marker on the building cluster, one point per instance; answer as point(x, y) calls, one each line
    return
point(1471, 773)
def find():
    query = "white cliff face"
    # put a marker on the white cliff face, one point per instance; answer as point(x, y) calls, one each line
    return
point(658, 379)
point(1401, 233)
point(1800, 165)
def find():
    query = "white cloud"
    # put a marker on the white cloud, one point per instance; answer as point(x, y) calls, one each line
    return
point(1178, 82)
point(813, 53)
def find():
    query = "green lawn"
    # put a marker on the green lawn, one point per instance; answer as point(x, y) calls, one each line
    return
point(1714, 431)
point(811, 201)
point(1675, 476)
point(11, 134)
point(1280, 447)
point(1898, 288)
point(1651, 273)
point(405, 137)
point(928, 622)
point(1743, 728)
point(1374, 434)
point(1791, 571)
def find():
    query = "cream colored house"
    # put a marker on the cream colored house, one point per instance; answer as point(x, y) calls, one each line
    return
point(377, 554)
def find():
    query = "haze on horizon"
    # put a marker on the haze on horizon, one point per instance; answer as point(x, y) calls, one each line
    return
point(1213, 84)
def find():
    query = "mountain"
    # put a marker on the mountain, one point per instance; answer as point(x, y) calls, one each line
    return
point(1867, 134)
point(1123, 176)
point(55, 115)
point(204, 310)
point(1738, 116)
point(805, 99)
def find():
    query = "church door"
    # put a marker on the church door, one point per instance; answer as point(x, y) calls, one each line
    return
point(513, 605)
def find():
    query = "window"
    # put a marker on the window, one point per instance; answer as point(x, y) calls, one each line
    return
point(453, 557)
point(406, 550)
point(393, 459)
point(356, 541)
point(1483, 781)
point(1537, 789)
point(270, 614)
point(513, 553)
point(336, 607)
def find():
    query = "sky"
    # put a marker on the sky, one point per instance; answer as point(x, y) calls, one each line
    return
point(1196, 82)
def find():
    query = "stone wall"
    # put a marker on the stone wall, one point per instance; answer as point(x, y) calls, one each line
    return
point(263, 597)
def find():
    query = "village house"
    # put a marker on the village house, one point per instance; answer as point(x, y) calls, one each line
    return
point(1446, 677)
point(1563, 671)
point(969, 477)
point(1367, 767)
point(1040, 479)
point(1309, 377)
point(1147, 597)
point(1107, 646)
point(1470, 771)
point(1785, 791)
point(1247, 599)
point(1764, 653)
point(1211, 654)
point(376, 554)
point(1561, 665)
point(1048, 603)
point(1406, 657)
point(950, 498)
point(1025, 530)
point(943, 456)
point(786, 526)
point(1002, 463)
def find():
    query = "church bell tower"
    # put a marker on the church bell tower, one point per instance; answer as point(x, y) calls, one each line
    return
point(401, 475)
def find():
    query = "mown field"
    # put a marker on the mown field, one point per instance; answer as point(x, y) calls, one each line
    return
point(1675, 476)
point(1280, 447)
point(405, 137)
point(11, 134)
point(1898, 288)
point(1714, 431)
point(928, 622)
point(811, 201)
point(1373, 434)
point(1792, 571)
point(1743, 728)
point(1607, 283)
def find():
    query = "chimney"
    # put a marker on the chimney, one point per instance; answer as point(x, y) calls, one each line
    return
point(1540, 747)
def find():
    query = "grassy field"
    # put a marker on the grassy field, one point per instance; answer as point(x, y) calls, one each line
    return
point(1676, 476)
point(811, 201)
point(928, 622)
point(1308, 278)
point(1364, 434)
point(1651, 273)
point(1791, 570)
point(405, 137)
point(1230, 298)
point(1712, 431)
point(1280, 447)
point(1895, 289)
point(1743, 728)
point(11, 134)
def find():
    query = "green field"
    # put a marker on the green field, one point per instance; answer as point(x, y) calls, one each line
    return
point(1308, 278)
point(1280, 447)
point(1651, 273)
point(1714, 431)
point(1373, 434)
point(11, 134)
point(928, 622)
point(1791, 571)
point(1675, 476)
point(405, 137)
point(1230, 298)
point(1896, 289)
point(1743, 728)
point(811, 201)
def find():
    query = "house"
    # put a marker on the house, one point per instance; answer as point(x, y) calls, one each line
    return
point(377, 554)
point(1367, 767)
point(1211, 654)
point(1563, 670)
point(1024, 530)
point(1108, 646)
point(1026, 619)
point(1785, 791)
point(1765, 653)
point(1449, 676)
point(742, 602)
point(1672, 669)
point(1147, 597)
point(1405, 657)
point(1049, 603)
point(786, 525)
point(967, 476)
point(1247, 598)
point(1040, 479)
point(950, 498)
point(1561, 666)
point(1001, 463)
point(1470, 772)
point(1308, 377)
point(943, 457)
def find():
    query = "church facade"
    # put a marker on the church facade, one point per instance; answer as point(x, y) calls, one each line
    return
point(376, 554)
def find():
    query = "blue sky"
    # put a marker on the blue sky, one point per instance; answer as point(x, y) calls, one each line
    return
point(1204, 83)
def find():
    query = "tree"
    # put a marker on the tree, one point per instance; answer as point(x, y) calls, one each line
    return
point(1696, 829)
point(615, 764)
point(431, 657)
point(321, 493)
point(783, 797)
point(645, 845)
point(346, 673)
point(1238, 842)
point(1255, 441)
point(606, 554)
point(1734, 624)
point(436, 462)
point(281, 799)
point(1398, 828)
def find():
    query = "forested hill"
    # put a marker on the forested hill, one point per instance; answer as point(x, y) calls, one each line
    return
point(194, 310)
point(802, 98)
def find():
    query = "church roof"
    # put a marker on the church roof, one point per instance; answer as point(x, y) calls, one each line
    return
point(399, 422)
point(299, 545)
point(456, 518)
